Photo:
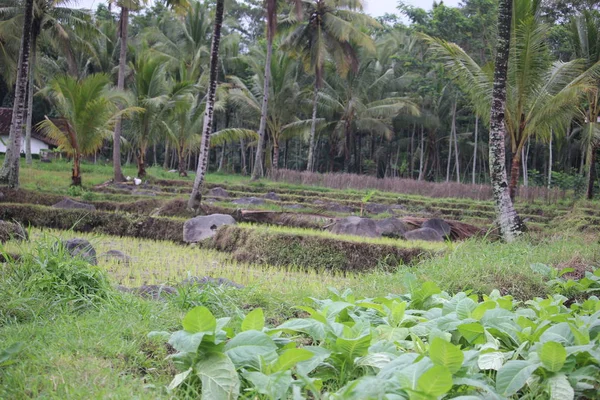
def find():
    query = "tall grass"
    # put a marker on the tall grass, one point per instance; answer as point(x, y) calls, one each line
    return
point(406, 186)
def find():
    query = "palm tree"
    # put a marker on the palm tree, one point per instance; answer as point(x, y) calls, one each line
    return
point(364, 103)
point(150, 89)
point(195, 197)
point(509, 221)
point(88, 110)
point(584, 35)
point(285, 97)
point(10, 169)
point(541, 96)
point(330, 28)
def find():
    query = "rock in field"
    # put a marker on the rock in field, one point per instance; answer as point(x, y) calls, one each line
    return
point(272, 196)
point(249, 200)
point(117, 256)
point(376, 208)
point(154, 292)
point(217, 192)
point(391, 227)
point(10, 230)
point(69, 204)
point(81, 248)
point(438, 225)
point(425, 234)
point(204, 227)
point(355, 226)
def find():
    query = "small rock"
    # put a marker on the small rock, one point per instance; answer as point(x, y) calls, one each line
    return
point(218, 192)
point(173, 171)
point(376, 208)
point(425, 234)
point(204, 227)
point(81, 248)
point(249, 200)
point(118, 256)
point(10, 230)
point(272, 196)
point(392, 227)
point(438, 225)
point(355, 226)
point(69, 204)
point(154, 292)
point(335, 207)
point(202, 281)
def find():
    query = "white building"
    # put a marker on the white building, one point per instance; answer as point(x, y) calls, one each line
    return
point(38, 141)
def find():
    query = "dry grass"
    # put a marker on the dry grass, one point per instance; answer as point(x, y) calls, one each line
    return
point(407, 186)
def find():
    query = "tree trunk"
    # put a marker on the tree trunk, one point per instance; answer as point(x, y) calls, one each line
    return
point(124, 22)
point(10, 170)
point(154, 155)
point(182, 167)
point(475, 148)
point(515, 174)
point(592, 172)
point(412, 152)
point(30, 84)
point(167, 153)
point(243, 156)
point(76, 172)
point(421, 169)
point(221, 158)
point(196, 196)
point(456, 156)
point(449, 157)
point(509, 222)
point(275, 153)
point(141, 161)
point(550, 161)
point(313, 129)
point(257, 172)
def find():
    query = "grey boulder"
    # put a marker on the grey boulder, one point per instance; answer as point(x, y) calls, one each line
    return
point(438, 225)
point(272, 196)
point(249, 200)
point(69, 204)
point(355, 226)
point(117, 256)
point(217, 192)
point(425, 234)
point(10, 230)
point(207, 280)
point(81, 248)
point(391, 227)
point(204, 227)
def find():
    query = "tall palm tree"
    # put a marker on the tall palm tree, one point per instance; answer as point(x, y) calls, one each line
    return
point(196, 197)
point(584, 34)
point(88, 110)
point(509, 221)
point(541, 96)
point(364, 103)
point(271, 10)
point(330, 28)
point(10, 169)
point(285, 97)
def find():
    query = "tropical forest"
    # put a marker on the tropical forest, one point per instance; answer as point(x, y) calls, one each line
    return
point(300, 199)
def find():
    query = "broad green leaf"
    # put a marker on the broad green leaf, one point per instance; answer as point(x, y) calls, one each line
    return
point(397, 313)
point(560, 333)
point(513, 375)
point(446, 355)
point(178, 379)
point(493, 360)
point(353, 348)
point(255, 320)
point(246, 348)
point(320, 354)
point(436, 381)
point(274, 386)
point(374, 360)
point(560, 388)
point(553, 356)
point(199, 319)
point(465, 307)
point(186, 342)
point(219, 378)
point(478, 312)
point(311, 327)
point(289, 358)
point(474, 332)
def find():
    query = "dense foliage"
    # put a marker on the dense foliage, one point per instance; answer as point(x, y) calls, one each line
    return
point(425, 344)
point(369, 96)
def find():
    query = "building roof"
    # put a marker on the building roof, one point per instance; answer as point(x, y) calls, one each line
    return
point(5, 120)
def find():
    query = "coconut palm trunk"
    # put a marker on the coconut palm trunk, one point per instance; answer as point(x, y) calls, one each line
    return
point(118, 173)
point(10, 169)
point(28, 158)
point(196, 197)
point(257, 171)
point(509, 222)
point(475, 148)
point(313, 129)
